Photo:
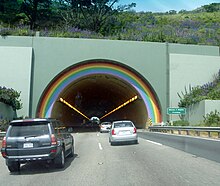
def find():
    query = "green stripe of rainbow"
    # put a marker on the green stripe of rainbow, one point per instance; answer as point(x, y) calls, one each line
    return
point(52, 93)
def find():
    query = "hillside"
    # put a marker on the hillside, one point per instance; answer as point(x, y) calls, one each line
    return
point(201, 26)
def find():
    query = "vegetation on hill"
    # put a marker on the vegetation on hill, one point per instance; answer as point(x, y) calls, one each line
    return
point(103, 19)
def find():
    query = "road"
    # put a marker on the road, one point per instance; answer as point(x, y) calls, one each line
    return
point(96, 163)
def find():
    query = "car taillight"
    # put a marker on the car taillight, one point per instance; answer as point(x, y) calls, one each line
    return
point(53, 140)
point(53, 151)
point(4, 146)
point(135, 131)
point(3, 154)
point(113, 132)
point(4, 142)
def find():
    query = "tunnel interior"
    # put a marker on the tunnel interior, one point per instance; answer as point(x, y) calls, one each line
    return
point(97, 95)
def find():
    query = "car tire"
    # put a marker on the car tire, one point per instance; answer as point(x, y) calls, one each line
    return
point(60, 159)
point(14, 167)
point(71, 151)
point(136, 141)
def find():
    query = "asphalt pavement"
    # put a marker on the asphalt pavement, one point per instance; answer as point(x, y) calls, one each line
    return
point(97, 163)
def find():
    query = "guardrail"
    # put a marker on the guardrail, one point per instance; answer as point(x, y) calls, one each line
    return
point(201, 147)
point(187, 130)
point(2, 134)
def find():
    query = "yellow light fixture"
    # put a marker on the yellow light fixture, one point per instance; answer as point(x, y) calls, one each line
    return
point(122, 105)
point(72, 107)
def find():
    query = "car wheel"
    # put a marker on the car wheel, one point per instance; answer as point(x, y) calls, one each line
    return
point(136, 141)
point(72, 151)
point(60, 160)
point(14, 167)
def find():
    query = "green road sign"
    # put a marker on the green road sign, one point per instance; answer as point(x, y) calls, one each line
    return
point(176, 110)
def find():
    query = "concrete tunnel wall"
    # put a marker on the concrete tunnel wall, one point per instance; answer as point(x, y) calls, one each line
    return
point(53, 55)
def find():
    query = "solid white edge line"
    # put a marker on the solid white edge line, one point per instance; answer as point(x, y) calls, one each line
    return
point(154, 142)
point(100, 146)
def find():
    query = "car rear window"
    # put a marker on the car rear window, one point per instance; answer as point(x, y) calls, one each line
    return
point(29, 129)
point(105, 123)
point(123, 124)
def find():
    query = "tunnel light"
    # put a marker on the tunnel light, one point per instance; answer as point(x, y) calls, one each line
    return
point(72, 107)
point(122, 105)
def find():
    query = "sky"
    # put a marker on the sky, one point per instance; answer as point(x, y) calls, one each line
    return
point(166, 5)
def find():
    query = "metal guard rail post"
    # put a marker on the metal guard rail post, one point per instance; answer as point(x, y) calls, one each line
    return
point(209, 130)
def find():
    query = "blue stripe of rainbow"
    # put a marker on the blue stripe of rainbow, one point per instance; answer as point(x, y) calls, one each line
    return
point(65, 79)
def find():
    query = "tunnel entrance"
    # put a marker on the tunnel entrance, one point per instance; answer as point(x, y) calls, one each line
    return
point(104, 89)
point(97, 95)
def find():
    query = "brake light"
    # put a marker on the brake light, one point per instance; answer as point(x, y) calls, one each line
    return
point(4, 142)
point(53, 151)
point(3, 154)
point(113, 132)
point(135, 131)
point(53, 140)
point(4, 146)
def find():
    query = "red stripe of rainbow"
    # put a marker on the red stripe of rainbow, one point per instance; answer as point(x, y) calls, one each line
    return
point(56, 87)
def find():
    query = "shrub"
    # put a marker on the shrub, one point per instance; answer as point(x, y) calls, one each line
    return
point(180, 123)
point(212, 119)
point(210, 90)
point(3, 125)
point(10, 97)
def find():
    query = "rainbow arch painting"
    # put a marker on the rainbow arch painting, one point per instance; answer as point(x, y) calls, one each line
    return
point(75, 72)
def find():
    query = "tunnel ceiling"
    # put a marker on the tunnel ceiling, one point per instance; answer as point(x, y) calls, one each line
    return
point(96, 95)
point(102, 86)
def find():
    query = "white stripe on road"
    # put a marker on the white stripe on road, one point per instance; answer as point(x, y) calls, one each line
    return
point(100, 146)
point(154, 142)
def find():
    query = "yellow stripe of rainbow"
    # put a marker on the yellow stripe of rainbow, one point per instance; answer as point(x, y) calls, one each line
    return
point(53, 91)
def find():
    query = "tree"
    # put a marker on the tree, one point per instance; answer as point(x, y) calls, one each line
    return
point(213, 7)
point(93, 14)
point(172, 12)
point(9, 11)
point(35, 10)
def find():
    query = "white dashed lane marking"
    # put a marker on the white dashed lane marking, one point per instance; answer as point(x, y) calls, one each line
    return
point(100, 146)
point(154, 142)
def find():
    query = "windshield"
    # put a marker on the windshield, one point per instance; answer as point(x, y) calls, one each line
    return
point(106, 124)
point(123, 124)
point(29, 129)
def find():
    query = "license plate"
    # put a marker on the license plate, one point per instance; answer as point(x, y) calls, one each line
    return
point(125, 132)
point(28, 145)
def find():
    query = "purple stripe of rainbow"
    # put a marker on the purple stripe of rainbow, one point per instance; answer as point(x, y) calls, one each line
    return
point(52, 94)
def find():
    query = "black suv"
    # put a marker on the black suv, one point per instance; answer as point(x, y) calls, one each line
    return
point(36, 140)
